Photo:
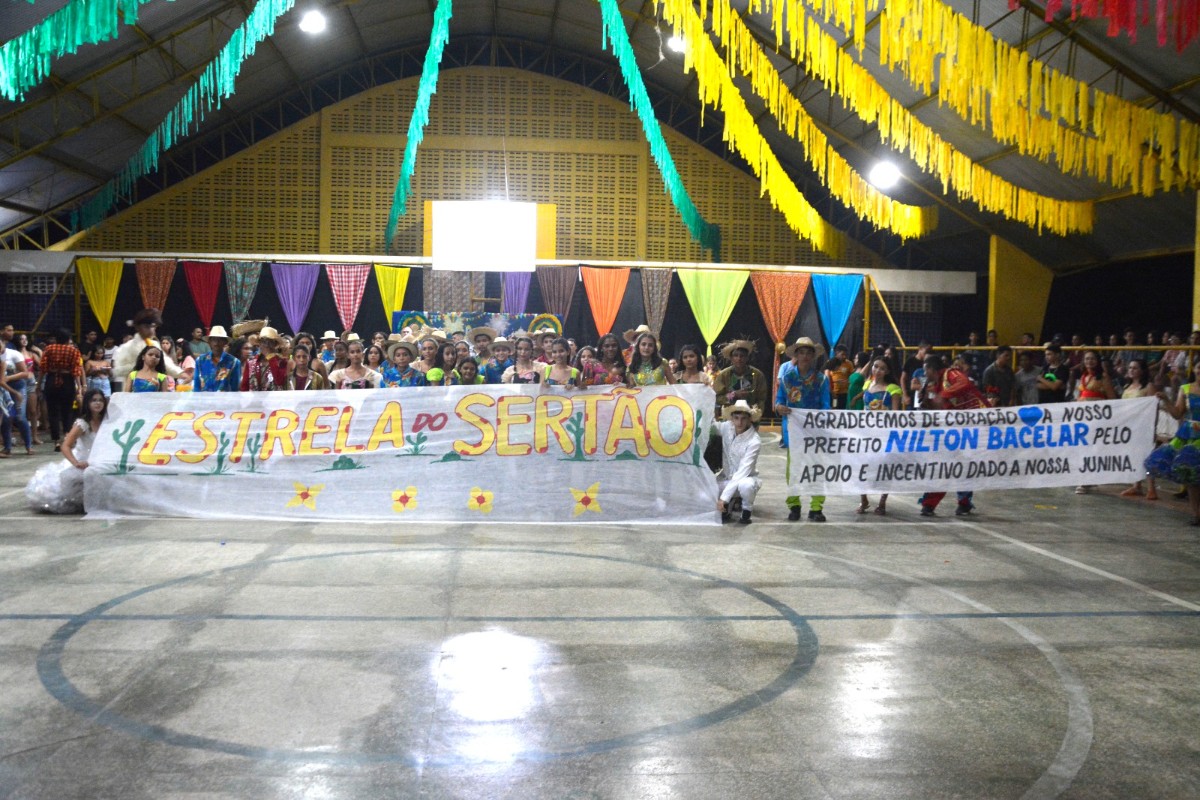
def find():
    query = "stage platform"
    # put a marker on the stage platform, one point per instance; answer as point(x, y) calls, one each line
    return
point(1048, 646)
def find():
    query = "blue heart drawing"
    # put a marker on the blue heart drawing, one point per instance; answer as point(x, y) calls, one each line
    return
point(1030, 415)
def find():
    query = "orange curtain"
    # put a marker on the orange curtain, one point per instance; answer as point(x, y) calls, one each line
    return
point(779, 297)
point(605, 291)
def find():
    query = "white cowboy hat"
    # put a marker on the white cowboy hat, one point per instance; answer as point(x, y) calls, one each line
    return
point(217, 332)
point(500, 341)
point(269, 334)
point(351, 336)
point(328, 335)
point(743, 407)
point(805, 341)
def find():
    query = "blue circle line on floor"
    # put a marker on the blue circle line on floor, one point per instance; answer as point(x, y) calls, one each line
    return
point(54, 679)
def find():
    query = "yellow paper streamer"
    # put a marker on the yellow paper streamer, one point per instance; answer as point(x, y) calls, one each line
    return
point(717, 89)
point(393, 283)
point(1038, 110)
point(819, 54)
point(101, 278)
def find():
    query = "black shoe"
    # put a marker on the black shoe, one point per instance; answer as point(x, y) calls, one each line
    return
point(735, 505)
point(927, 511)
point(726, 516)
point(745, 520)
point(963, 510)
point(794, 514)
point(816, 516)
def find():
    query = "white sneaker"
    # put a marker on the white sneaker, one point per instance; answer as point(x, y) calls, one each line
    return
point(1082, 490)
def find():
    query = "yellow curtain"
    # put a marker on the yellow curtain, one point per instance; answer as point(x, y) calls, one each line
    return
point(712, 294)
point(393, 283)
point(101, 278)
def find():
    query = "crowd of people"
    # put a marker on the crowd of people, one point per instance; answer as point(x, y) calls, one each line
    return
point(54, 383)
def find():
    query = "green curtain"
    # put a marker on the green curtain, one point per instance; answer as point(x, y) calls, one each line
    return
point(712, 294)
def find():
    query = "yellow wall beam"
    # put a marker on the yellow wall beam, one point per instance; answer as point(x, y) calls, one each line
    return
point(1018, 291)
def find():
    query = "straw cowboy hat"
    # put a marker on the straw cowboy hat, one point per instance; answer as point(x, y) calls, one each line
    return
point(407, 344)
point(742, 406)
point(542, 333)
point(328, 336)
point(270, 334)
point(500, 341)
point(396, 337)
point(738, 344)
point(217, 332)
point(631, 335)
point(351, 336)
point(490, 332)
point(805, 341)
point(249, 326)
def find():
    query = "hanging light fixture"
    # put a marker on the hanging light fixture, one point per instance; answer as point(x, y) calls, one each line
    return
point(313, 21)
point(884, 175)
point(676, 44)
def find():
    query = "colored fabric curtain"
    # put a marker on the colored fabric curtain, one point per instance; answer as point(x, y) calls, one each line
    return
point(241, 283)
point(393, 283)
point(295, 284)
point(712, 294)
point(605, 290)
point(656, 289)
point(780, 295)
point(154, 281)
point(101, 278)
point(516, 292)
point(836, 295)
point(448, 290)
point(348, 282)
point(557, 285)
point(203, 280)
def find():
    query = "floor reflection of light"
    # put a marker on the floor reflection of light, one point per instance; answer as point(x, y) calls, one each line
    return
point(310, 782)
point(862, 700)
point(489, 675)
point(488, 678)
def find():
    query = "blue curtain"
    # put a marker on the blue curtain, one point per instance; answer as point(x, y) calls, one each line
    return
point(836, 296)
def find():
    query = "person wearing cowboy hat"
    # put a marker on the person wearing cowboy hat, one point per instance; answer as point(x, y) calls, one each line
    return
point(543, 338)
point(738, 480)
point(145, 322)
point(631, 336)
point(500, 352)
point(400, 373)
point(740, 381)
point(480, 338)
point(217, 370)
point(802, 385)
point(328, 340)
point(268, 370)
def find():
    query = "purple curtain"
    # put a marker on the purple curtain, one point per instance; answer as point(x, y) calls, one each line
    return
point(295, 285)
point(516, 292)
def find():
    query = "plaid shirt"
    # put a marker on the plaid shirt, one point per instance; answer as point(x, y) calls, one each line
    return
point(64, 358)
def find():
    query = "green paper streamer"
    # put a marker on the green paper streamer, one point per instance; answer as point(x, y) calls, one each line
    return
point(25, 60)
point(420, 117)
point(707, 234)
point(214, 85)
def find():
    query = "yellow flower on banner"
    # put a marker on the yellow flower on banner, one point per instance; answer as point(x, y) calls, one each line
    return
point(479, 500)
point(587, 499)
point(404, 499)
point(305, 496)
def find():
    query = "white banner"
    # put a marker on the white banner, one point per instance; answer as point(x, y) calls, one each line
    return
point(462, 453)
point(1027, 447)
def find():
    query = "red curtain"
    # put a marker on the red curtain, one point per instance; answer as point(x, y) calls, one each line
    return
point(203, 280)
point(154, 281)
point(605, 291)
point(779, 297)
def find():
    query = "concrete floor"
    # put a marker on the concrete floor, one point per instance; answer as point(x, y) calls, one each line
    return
point(1049, 647)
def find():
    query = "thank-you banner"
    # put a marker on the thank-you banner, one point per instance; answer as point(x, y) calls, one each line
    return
point(854, 452)
point(459, 453)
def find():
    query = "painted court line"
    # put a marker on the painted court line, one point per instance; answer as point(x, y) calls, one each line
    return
point(1170, 598)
